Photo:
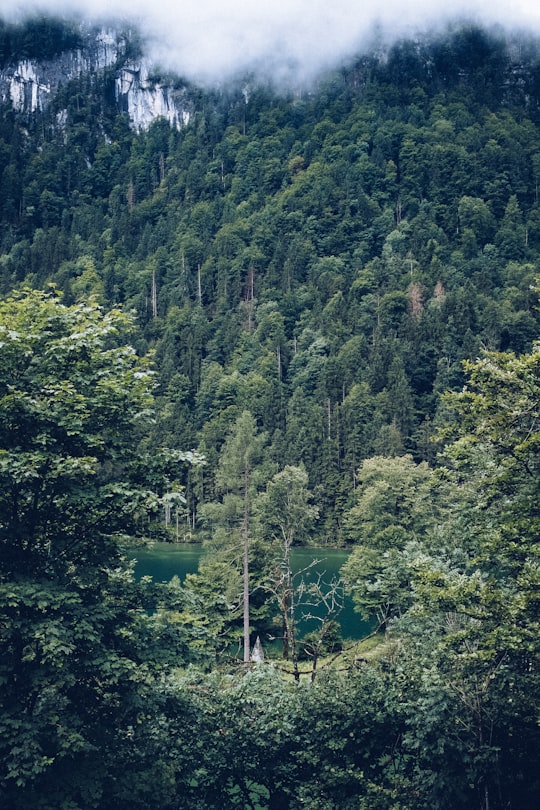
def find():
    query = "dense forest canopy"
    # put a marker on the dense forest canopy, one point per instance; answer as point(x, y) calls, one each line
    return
point(331, 296)
point(41, 37)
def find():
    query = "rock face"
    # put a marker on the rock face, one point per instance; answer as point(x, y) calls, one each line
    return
point(31, 85)
point(26, 91)
point(144, 100)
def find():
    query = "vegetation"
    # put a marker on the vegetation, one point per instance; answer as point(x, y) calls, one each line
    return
point(38, 37)
point(333, 299)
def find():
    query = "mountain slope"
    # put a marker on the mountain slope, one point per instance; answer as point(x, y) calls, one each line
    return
point(325, 260)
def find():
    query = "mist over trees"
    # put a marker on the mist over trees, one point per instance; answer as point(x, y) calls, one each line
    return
point(332, 298)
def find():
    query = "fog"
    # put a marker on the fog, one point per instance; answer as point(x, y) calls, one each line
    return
point(210, 39)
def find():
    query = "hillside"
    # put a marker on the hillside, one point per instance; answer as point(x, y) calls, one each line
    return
point(330, 294)
point(323, 260)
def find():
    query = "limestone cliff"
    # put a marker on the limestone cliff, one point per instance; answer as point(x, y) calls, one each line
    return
point(30, 85)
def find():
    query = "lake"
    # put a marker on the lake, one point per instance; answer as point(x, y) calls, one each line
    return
point(162, 561)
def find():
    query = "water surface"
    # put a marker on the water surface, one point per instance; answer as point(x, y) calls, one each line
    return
point(162, 561)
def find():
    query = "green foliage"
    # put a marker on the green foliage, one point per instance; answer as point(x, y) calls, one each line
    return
point(38, 37)
point(74, 669)
point(71, 403)
point(475, 616)
point(337, 254)
point(285, 515)
point(284, 509)
point(313, 270)
point(392, 494)
point(388, 523)
point(229, 577)
point(284, 746)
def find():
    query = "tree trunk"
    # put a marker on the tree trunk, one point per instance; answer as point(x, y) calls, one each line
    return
point(245, 541)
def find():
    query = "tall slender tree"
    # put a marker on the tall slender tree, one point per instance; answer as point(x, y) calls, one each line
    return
point(286, 515)
point(235, 480)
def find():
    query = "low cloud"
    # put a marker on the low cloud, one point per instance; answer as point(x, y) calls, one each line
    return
point(212, 39)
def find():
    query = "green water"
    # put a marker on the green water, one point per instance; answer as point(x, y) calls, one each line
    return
point(162, 561)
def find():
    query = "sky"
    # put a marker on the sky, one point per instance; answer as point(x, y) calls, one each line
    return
point(211, 39)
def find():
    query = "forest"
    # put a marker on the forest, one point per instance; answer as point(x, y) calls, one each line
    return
point(303, 318)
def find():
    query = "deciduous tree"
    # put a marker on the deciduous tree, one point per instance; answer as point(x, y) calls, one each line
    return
point(73, 397)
